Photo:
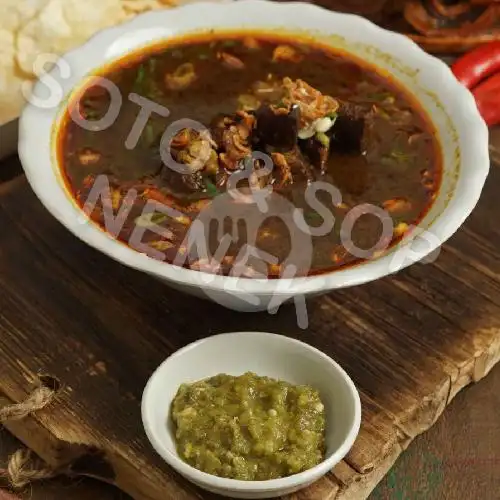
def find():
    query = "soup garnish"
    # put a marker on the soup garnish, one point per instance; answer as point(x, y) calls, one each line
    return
point(249, 428)
point(288, 120)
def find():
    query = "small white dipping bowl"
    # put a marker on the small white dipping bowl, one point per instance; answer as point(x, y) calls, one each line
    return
point(265, 354)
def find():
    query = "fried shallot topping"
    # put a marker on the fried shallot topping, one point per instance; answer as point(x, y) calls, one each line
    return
point(313, 104)
point(233, 135)
point(195, 150)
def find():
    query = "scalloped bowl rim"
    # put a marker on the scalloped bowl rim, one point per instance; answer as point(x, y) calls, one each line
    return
point(442, 228)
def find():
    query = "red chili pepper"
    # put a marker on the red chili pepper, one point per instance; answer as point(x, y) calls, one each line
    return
point(487, 95)
point(489, 86)
point(477, 64)
point(489, 110)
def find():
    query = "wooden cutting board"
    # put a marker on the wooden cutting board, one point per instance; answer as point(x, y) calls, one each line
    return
point(410, 343)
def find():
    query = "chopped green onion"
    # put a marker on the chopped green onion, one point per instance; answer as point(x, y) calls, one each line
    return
point(323, 124)
point(399, 155)
point(229, 43)
point(323, 139)
point(154, 91)
point(158, 217)
point(141, 74)
point(211, 188)
point(150, 219)
point(312, 216)
point(383, 113)
point(333, 116)
point(306, 133)
point(152, 65)
point(248, 101)
point(90, 113)
point(149, 134)
point(379, 96)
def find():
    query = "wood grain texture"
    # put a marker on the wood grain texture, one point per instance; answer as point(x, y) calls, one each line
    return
point(457, 459)
point(410, 342)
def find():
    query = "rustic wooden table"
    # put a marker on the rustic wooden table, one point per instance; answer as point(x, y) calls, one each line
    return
point(411, 343)
point(457, 459)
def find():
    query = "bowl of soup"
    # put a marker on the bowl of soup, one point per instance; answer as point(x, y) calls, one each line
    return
point(256, 152)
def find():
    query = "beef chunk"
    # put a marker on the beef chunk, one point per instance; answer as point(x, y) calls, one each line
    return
point(276, 128)
point(347, 134)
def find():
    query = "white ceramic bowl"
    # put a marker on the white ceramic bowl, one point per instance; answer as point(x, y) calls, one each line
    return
point(265, 354)
point(462, 133)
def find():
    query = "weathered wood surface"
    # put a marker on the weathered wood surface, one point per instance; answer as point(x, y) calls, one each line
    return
point(410, 342)
point(442, 463)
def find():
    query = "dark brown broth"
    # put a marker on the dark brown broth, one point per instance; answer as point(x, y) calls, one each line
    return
point(402, 158)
